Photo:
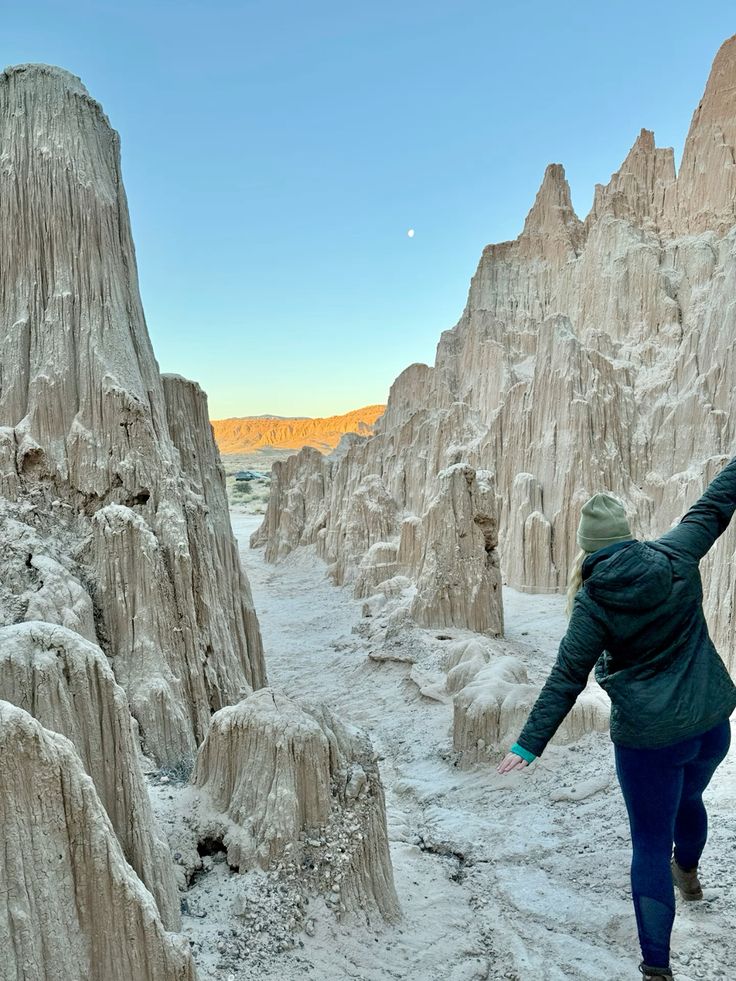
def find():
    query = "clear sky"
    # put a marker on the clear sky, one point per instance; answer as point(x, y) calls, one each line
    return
point(275, 153)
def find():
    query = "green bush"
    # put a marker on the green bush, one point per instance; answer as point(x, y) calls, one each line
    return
point(242, 488)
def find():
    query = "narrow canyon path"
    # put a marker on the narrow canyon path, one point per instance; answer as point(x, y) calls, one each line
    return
point(497, 877)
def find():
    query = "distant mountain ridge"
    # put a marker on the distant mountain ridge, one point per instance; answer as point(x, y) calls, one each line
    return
point(249, 433)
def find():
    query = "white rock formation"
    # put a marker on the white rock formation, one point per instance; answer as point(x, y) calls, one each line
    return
point(96, 443)
point(448, 547)
point(704, 196)
point(300, 485)
point(532, 562)
point(231, 623)
point(66, 683)
point(494, 701)
point(275, 780)
point(72, 906)
point(463, 660)
point(377, 565)
point(369, 516)
point(40, 579)
point(121, 589)
point(591, 355)
point(458, 576)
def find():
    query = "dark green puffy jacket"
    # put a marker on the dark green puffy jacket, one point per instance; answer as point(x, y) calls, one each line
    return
point(638, 618)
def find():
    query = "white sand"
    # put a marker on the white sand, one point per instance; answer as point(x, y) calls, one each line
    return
point(522, 877)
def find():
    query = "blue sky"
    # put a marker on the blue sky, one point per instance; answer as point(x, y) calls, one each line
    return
point(275, 154)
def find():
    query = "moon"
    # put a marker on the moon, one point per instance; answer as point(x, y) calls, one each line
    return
point(410, 233)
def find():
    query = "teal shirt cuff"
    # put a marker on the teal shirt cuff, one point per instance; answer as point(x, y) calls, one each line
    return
point(523, 753)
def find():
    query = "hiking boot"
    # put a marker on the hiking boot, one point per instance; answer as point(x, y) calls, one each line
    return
point(687, 882)
point(656, 973)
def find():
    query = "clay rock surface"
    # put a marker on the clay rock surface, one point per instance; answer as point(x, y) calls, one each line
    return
point(370, 516)
point(116, 466)
point(97, 921)
point(230, 624)
point(40, 578)
point(367, 529)
point(592, 355)
point(704, 195)
point(378, 565)
point(66, 683)
point(493, 699)
point(300, 485)
point(277, 780)
point(458, 575)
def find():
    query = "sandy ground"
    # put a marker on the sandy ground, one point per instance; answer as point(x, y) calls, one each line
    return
point(496, 880)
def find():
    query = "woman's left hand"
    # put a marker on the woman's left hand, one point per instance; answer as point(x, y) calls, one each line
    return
point(511, 762)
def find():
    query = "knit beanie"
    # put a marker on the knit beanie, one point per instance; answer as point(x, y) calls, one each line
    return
point(602, 522)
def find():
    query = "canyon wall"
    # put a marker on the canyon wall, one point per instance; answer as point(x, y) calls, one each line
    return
point(112, 468)
point(126, 619)
point(592, 354)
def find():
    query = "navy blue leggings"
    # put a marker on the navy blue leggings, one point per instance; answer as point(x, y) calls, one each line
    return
point(663, 790)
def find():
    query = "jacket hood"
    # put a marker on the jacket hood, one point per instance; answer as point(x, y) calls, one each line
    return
point(633, 577)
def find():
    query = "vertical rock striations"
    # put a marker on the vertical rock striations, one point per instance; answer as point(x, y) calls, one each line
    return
point(66, 683)
point(121, 590)
point(94, 920)
point(276, 779)
point(705, 194)
point(427, 517)
point(90, 427)
point(458, 575)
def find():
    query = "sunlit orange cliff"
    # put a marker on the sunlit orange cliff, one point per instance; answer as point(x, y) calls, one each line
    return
point(260, 432)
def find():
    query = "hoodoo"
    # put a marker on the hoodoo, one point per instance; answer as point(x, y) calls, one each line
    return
point(287, 783)
point(96, 448)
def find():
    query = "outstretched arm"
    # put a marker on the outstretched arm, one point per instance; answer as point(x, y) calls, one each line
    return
point(579, 649)
point(707, 518)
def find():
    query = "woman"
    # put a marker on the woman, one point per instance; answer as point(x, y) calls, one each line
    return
point(636, 614)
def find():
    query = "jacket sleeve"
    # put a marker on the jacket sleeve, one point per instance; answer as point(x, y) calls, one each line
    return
point(579, 650)
point(707, 518)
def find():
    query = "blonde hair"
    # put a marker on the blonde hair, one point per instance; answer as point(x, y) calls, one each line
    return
point(575, 580)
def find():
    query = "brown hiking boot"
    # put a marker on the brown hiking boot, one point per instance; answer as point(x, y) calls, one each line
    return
point(687, 882)
point(656, 973)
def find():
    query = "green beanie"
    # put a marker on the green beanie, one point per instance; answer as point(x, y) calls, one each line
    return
point(602, 522)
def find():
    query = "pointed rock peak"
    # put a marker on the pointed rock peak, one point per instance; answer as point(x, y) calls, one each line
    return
point(552, 206)
point(645, 138)
point(648, 162)
point(552, 229)
point(554, 176)
point(643, 144)
point(636, 190)
point(720, 89)
point(718, 105)
point(642, 160)
point(706, 183)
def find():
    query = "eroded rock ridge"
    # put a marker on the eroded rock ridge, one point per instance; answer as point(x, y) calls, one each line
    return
point(592, 354)
point(125, 617)
point(93, 440)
